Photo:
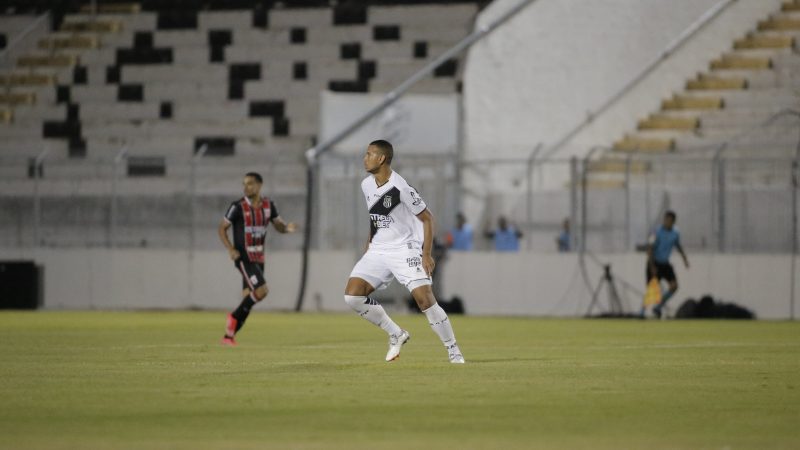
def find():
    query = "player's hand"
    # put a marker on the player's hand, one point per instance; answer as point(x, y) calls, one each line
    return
point(234, 254)
point(291, 227)
point(428, 264)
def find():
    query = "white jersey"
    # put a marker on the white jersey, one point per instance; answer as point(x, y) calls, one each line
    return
point(393, 210)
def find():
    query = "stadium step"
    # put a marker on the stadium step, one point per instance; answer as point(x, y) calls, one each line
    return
point(705, 82)
point(99, 26)
point(617, 165)
point(664, 122)
point(686, 102)
point(779, 23)
point(74, 41)
point(113, 8)
point(26, 79)
point(734, 61)
point(6, 115)
point(17, 98)
point(793, 6)
point(644, 144)
point(47, 61)
point(764, 41)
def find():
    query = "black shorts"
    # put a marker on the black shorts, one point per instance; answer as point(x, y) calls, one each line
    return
point(252, 274)
point(664, 271)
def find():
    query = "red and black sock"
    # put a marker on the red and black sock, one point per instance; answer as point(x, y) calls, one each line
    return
point(241, 313)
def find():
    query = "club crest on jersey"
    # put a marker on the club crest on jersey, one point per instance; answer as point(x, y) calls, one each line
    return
point(387, 202)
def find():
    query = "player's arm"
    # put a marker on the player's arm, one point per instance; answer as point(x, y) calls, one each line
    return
point(222, 231)
point(683, 254)
point(427, 245)
point(283, 227)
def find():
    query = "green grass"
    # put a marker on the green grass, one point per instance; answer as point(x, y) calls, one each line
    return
point(160, 380)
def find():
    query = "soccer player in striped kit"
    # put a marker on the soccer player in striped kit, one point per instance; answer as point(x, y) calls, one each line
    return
point(249, 217)
point(400, 245)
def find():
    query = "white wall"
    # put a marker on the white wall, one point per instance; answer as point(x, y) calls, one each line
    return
point(540, 75)
point(552, 285)
point(489, 283)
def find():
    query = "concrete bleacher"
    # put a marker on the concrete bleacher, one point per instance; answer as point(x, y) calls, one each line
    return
point(163, 80)
point(160, 83)
point(729, 104)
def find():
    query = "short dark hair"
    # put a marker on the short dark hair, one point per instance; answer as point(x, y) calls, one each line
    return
point(255, 175)
point(671, 213)
point(385, 148)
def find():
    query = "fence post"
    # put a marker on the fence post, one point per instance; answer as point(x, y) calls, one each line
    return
point(193, 196)
point(37, 200)
point(720, 205)
point(628, 202)
point(795, 174)
point(529, 194)
point(573, 199)
point(112, 217)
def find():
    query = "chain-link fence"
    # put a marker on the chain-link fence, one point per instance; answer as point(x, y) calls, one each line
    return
point(724, 204)
point(131, 201)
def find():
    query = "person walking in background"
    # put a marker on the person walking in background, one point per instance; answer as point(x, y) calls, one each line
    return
point(506, 237)
point(661, 242)
point(564, 239)
point(459, 238)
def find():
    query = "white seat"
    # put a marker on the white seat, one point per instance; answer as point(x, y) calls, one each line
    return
point(180, 38)
point(207, 74)
point(119, 110)
point(434, 16)
point(305, 17)
point(180, 91)
point(208, 20)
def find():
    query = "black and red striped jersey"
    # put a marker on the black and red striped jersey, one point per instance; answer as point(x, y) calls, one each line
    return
point(250, 226)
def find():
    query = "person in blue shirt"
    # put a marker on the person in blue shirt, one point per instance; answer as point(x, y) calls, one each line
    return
point(662, 241)
point(460, 237)
point(564, 239)
point(506, 237)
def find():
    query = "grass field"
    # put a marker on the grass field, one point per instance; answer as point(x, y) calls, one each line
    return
point(91, 380)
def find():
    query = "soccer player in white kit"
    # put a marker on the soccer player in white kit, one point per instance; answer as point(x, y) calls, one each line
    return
point(400, 244)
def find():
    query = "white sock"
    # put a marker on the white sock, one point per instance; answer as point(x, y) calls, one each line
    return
point(441, 326)
point(374, 312)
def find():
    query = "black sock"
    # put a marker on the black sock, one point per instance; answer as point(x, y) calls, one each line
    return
point(241, 313)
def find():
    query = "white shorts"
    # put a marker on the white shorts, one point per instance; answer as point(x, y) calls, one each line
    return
point(377, 267)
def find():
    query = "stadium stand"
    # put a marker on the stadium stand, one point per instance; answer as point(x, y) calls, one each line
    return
point(742, 89)
point(242, 78)
point(165, 82)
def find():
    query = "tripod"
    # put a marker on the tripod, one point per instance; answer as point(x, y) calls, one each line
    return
point(614, 302)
